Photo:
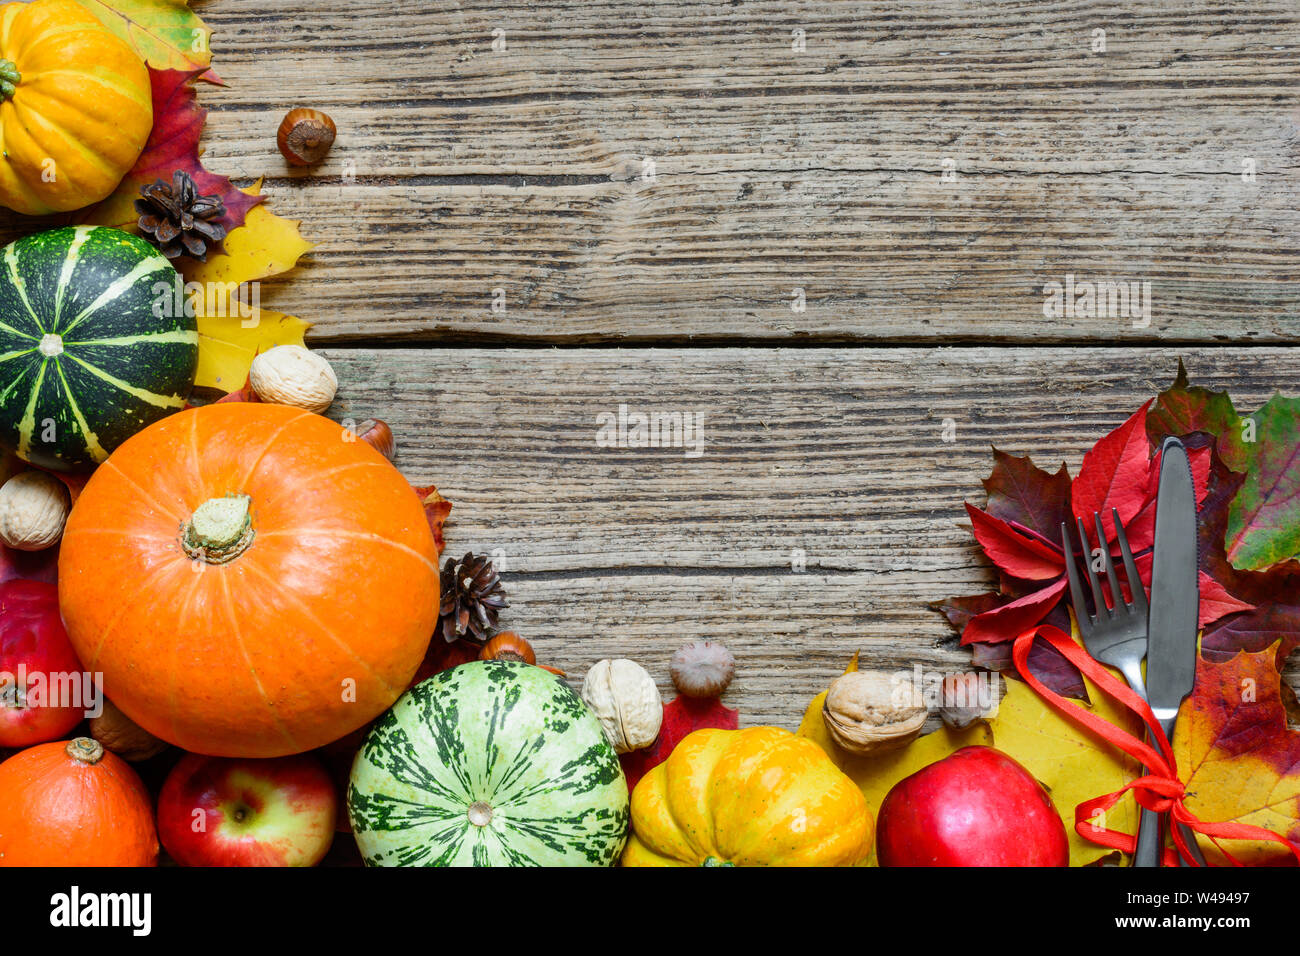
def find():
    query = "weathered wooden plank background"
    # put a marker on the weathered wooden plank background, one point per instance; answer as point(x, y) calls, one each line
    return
point(837, 453)
point(461, 169)
point(669, 174)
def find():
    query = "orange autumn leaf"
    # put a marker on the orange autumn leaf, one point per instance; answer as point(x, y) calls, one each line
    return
point(1237, 757)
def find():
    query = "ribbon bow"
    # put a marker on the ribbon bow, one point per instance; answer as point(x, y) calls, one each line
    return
point(1159, 789)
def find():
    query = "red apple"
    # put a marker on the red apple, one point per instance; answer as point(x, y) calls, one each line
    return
point(976, 807)
point(34, 645)
point(221, 811)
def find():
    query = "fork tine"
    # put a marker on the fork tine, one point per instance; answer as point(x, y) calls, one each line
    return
point(1099, 601)
point(1081, 615)
point(1130, 567)
point(1120, 605)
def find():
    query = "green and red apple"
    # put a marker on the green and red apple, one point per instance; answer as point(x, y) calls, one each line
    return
point(221, 811)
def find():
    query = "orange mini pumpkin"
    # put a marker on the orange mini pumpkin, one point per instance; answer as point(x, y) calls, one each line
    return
point(69, 803)
point(250, 580)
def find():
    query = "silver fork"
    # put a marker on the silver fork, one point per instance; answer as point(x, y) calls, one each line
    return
point(1115, 635)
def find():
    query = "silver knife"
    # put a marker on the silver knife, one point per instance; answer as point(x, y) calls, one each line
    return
point(1171, 625)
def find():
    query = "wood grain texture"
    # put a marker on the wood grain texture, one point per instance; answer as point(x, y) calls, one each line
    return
point(611, 552)
point(460, 170)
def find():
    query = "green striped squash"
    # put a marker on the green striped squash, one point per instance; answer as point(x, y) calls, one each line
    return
point(92, 349)
point(492, 763)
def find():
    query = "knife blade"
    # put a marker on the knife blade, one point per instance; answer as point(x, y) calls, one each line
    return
point(1175, 596)
point(1172, 620)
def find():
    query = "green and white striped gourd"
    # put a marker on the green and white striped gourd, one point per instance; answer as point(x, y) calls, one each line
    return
point(492, 763)
point(92, 349)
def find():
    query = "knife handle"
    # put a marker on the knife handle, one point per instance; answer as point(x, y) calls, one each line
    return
point(1193, 846)
point(1150, 837)
point(1151, 828)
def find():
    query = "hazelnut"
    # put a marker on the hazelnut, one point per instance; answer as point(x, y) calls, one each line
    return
point(293, 375)
point(702, 669)
point(962, 704)
point(305, 136)
point(624, 698)
point(376, 433)
point(873, 711)
point(508, 646)
point(34, 506)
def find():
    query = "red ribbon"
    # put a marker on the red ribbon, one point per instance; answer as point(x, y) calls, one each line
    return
point(1160, 789)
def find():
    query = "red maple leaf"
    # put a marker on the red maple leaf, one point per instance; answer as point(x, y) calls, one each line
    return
point(174, 144)
point(683, 715)
point(1115, 474)
point(1020, 532)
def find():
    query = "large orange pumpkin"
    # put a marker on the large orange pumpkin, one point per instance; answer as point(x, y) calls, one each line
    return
point(250, 579)
point(75, 107)
point(70, 803)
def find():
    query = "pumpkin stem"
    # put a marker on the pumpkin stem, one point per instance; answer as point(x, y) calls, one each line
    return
point(219, 531)
point(85, 750)
point(9, 79)
point(480, 813)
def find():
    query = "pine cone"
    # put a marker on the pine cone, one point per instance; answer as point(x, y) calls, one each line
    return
point(471, 598)
point(178, 219)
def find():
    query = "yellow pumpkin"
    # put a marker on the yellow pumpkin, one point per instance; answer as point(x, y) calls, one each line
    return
point(754, 797)
point(75, 107)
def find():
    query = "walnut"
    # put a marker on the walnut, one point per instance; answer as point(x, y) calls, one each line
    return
point(873, 711)
point(34, 506)
point(293, 375)
point(626, 701)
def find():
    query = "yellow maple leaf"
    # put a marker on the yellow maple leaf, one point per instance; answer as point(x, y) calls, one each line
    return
point(265, 245)
point(165, 33)
point(233, 328)
point(228, 343)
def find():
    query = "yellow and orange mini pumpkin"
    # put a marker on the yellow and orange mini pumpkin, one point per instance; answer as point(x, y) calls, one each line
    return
point(76, 107)
point(753, 797)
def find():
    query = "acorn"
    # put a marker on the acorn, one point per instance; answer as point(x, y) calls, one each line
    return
point(305, 136)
